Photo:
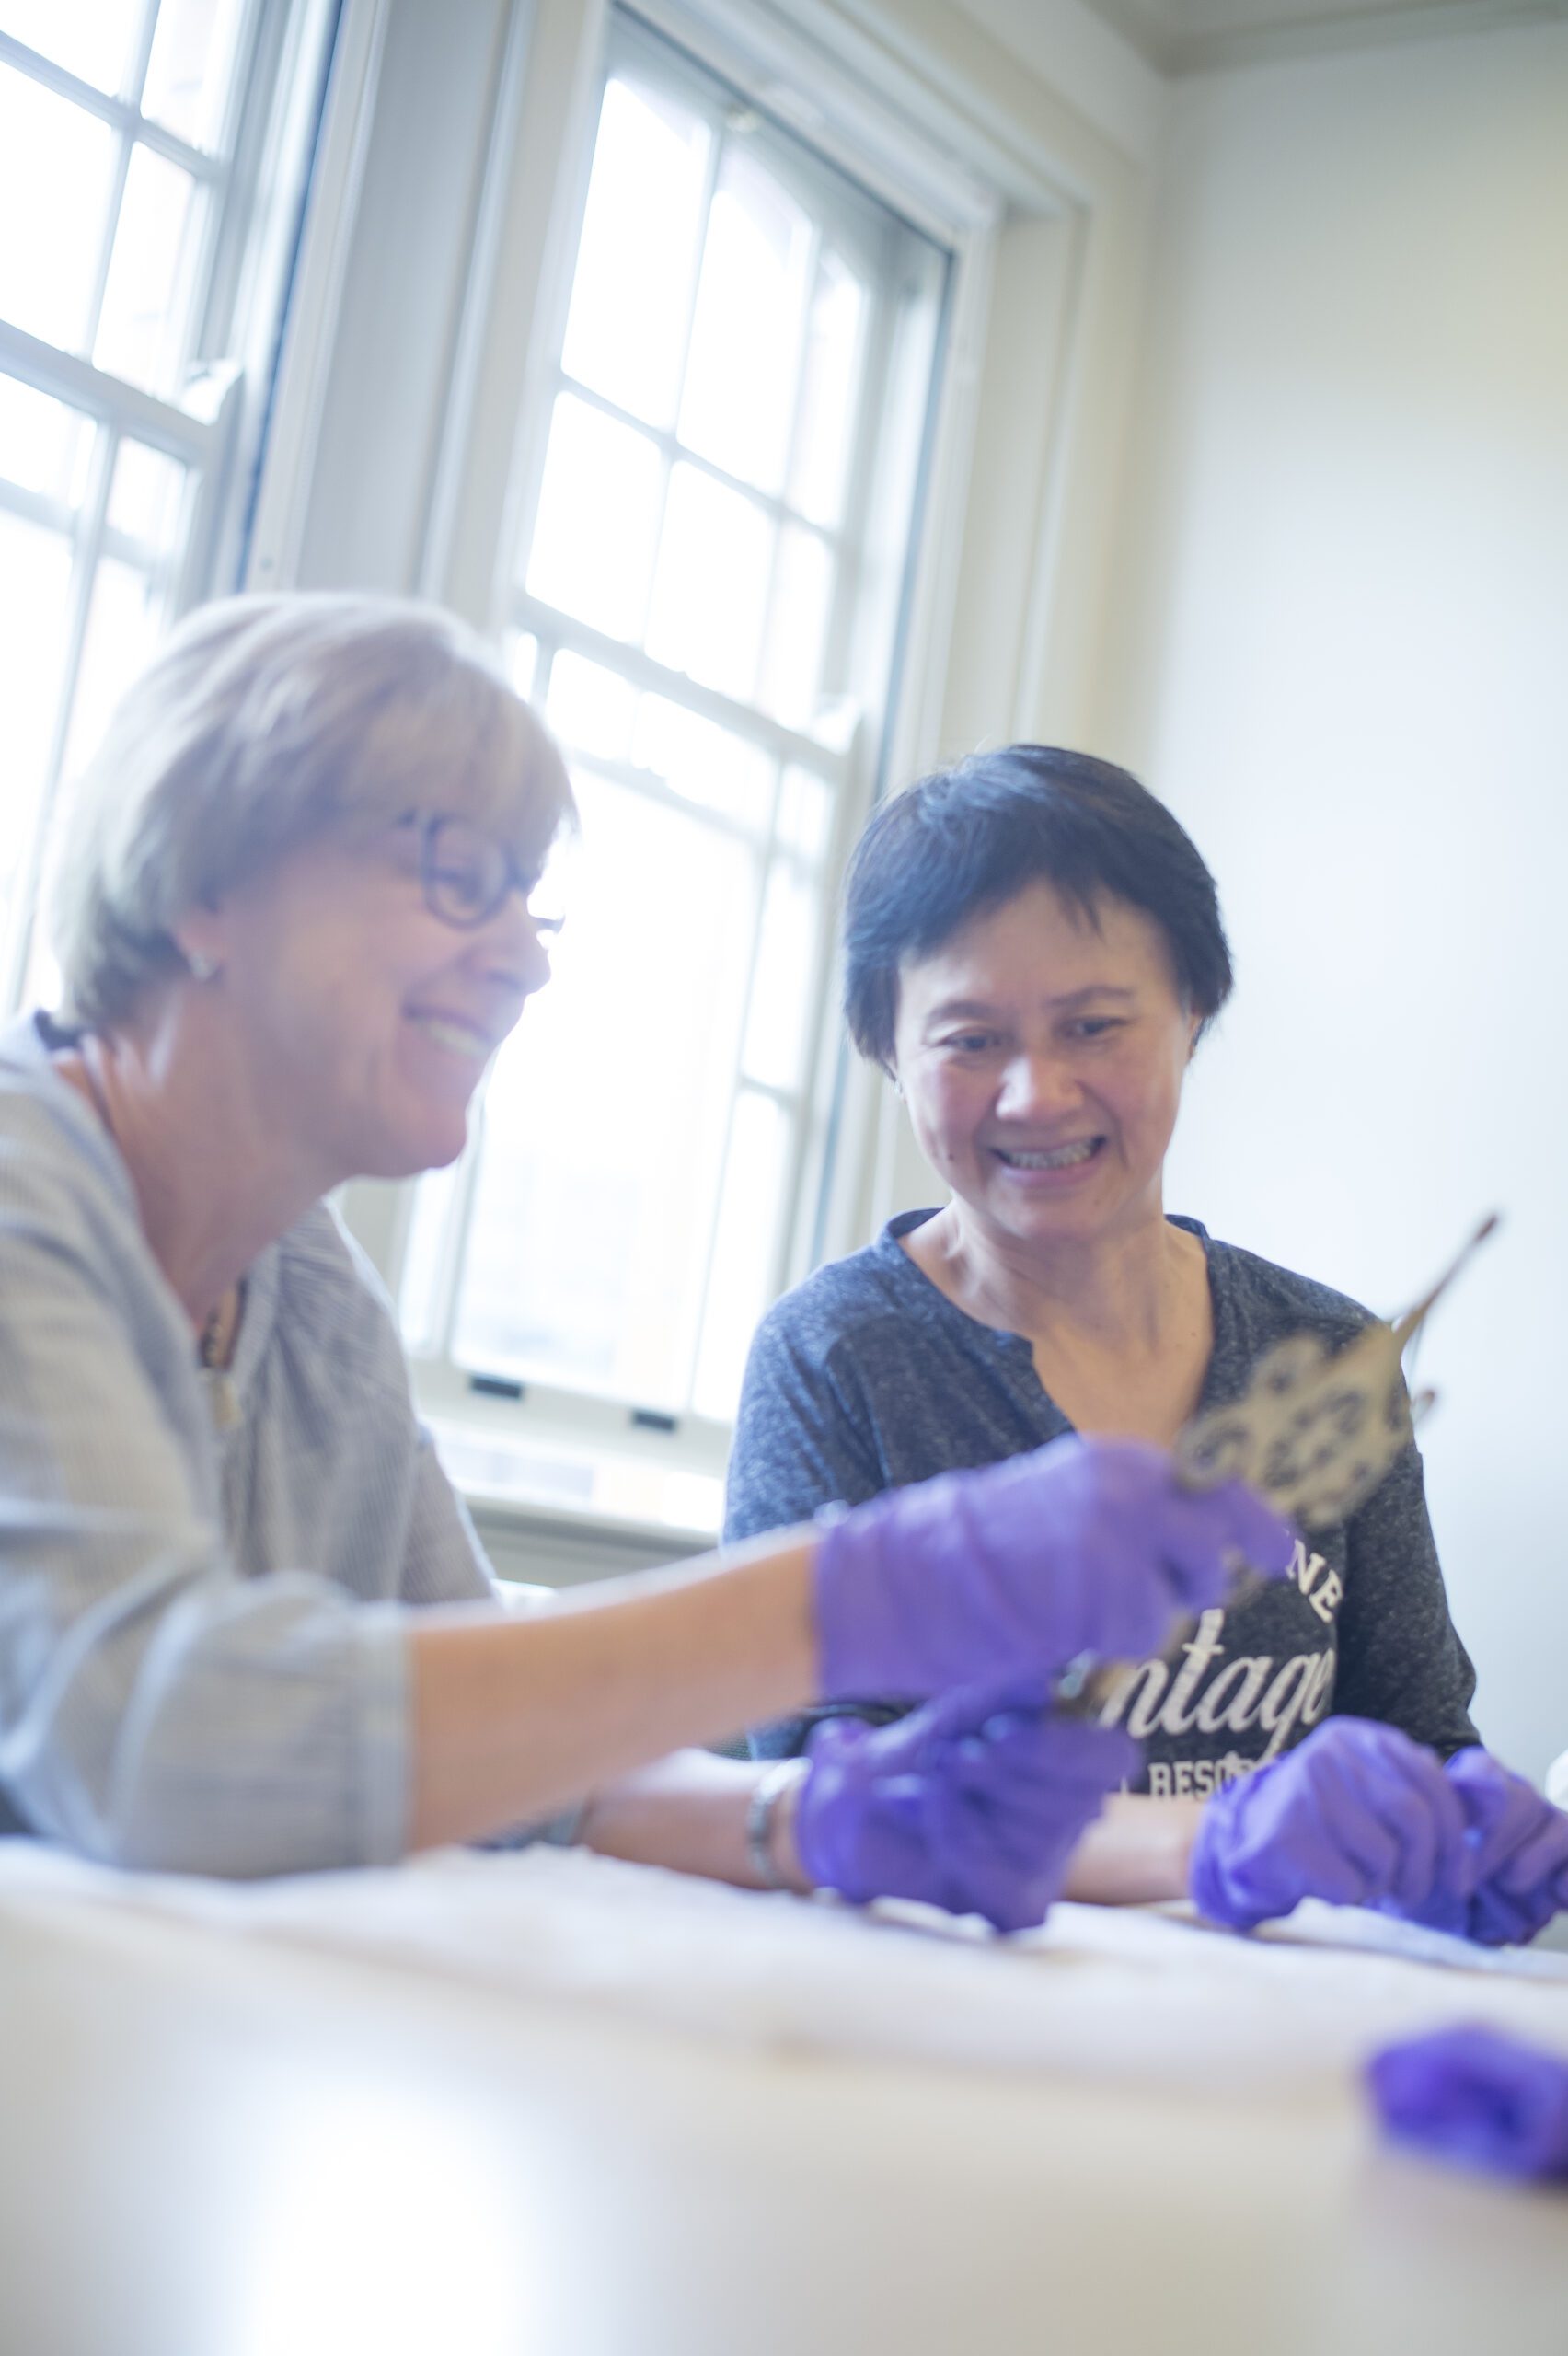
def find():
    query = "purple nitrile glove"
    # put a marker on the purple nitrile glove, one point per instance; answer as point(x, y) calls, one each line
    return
point(1355, 1814)
point(1519, 1845)
point(974, 1802)
point(1472, 2095)
point(981, 1577)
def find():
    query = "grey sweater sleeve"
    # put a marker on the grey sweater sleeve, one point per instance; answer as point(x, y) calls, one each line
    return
point(796, 1448)
point(1400, 1658)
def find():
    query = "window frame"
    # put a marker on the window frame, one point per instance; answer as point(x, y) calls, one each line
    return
point(257, 175)
point(445, 1386)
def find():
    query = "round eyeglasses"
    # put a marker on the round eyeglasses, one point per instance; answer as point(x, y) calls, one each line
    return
point(467, 873)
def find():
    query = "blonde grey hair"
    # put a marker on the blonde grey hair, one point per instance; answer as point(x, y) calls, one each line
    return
point(262, 724)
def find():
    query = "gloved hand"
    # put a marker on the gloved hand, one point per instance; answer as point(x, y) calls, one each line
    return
point(1518, 1845)
point(1355, 1814)
point(981, 1577)
point(1472, 2095)
point(973, 1803)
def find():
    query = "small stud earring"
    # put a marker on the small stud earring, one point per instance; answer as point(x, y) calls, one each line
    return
point(201, 967)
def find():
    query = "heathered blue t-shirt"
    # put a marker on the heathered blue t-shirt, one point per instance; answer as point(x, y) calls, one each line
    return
point(866, 1377)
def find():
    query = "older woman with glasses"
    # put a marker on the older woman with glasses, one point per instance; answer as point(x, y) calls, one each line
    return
point(244, 1623)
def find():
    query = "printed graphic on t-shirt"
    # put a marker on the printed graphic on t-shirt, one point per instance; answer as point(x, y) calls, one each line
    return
point(1207, 1714)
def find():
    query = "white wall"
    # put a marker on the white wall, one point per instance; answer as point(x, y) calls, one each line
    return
point(1338, 647)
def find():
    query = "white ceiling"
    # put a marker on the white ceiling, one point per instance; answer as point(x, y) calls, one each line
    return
point(1184, 36)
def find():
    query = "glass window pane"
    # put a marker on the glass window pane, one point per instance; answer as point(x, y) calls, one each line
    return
point(830, 388)
point(705, 763)
point(35, 582)
point(626, 334)
point(520, 651)
point(55, 168)
point(417, 1291)
point(742, 1251)
point(802, 600)
point(605, 1115)
point(598, 520)
point(590, 708)
point(147, 303)
point(43, 445)
point(146, 496)
point(782, 989)
point(191, 66)
point(125, 621)
point(739, 386)
point(805, 814)
point(90, 38)
point(710, 590)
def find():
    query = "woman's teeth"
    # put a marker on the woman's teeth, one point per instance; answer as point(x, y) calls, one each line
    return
point(1063, 1158)
point(455, 1038)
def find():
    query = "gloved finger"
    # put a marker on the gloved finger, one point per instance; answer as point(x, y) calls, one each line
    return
point(1538, 1858)
point(1064, 1753)
point(1024, 1775)
point(831, 1738)
point(1206, 1538)
point(1414, 1800)
point(992, 1860)
point(1501, 1807)
point(1017, 1784)
point(1026, 1839)
point(1028, 1697)
point(1018, 1901)
point(1336, 1875)
point(1365, 1852)
point(1233, 1520)
point(1498, 1922)
point(974, 1709)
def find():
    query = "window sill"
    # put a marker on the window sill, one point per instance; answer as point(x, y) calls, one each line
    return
point(594, 1502)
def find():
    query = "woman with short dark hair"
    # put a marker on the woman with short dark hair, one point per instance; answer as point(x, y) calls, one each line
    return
point(1033, 950)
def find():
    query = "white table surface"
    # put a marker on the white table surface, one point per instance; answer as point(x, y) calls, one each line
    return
point(551, 2103)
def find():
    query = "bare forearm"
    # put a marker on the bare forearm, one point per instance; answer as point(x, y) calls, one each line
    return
point(689, 1812)
point(516, 1718)
point(1137, 1849)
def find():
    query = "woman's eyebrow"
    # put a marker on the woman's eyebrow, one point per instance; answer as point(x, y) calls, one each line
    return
point(1094, 989)
point(971, 1009)
point(961, 1009)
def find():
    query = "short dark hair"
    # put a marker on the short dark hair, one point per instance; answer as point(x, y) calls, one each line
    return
point(966, 839)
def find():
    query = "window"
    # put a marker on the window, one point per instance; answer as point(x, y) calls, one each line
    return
point(706, 605)
point(129, 165)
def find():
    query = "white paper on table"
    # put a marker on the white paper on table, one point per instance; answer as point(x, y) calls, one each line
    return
point(1149, 1996)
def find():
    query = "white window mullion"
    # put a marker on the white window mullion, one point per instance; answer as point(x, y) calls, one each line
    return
point(109, 400)
point(700, 247)
point(760, 874)
point(784, 744)
point(141, 55)
point(119, 112)
point(123, 145)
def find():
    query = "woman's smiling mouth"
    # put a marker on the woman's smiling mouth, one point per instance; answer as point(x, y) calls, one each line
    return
point(1060, 1157)
point(453, 1035)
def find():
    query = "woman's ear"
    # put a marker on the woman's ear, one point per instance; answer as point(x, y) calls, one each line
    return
point(200, 939)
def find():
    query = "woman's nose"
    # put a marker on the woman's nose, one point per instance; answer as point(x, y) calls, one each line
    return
point(1037, 1087)
point(515, 947)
